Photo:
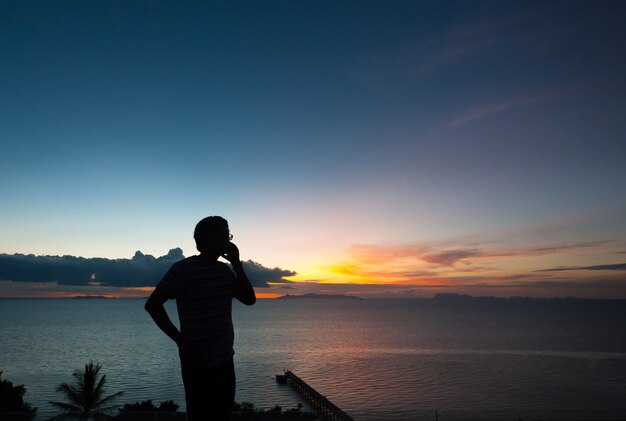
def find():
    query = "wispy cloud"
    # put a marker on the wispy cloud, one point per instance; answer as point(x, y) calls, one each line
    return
point(428, 55)
point(461, 42)
point(480, 265)
point(617, 266)
point(383, 253)
point(451, 253)
point(450, 257)
point(490, 109)
point(552, 227)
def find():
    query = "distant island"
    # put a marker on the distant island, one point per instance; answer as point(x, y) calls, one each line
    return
point(90, 297)
point(451, 298)
point(318, 296)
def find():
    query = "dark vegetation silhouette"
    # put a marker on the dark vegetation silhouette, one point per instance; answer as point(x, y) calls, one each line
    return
point(146, 410)
point(148, 406)
point(86, 401)
point(12, 401)
point(247, 412)
point(86, 396)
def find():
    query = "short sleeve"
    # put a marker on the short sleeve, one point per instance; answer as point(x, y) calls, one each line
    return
point(171, 283)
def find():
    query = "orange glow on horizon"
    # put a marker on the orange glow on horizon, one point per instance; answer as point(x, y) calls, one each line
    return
point(266, 295)
point(63, 294)
point(145, 290)
point(140, 289)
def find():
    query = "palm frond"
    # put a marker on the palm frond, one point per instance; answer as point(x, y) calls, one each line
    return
point(66, 406)
point(71, 393)
point(107, 399)
point(91, 374)
point(79, 378)
point(99, 389)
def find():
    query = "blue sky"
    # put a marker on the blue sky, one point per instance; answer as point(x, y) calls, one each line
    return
point(316, 128)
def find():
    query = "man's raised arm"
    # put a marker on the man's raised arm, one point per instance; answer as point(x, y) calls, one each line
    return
point(245, 292)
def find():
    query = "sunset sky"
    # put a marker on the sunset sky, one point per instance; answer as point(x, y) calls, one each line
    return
point(382, 149)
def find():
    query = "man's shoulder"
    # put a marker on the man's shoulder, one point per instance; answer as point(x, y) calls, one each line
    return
point(186, 261)
point(180, 264)
point(197, 261)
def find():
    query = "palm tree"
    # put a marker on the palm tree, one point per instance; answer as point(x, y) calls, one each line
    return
point(86, 395)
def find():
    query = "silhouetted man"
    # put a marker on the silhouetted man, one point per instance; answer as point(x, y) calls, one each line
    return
point(203, 289)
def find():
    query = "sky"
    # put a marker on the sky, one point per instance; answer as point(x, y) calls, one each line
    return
point(380, 149)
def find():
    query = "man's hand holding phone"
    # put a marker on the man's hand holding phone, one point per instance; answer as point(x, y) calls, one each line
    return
point(231, 253)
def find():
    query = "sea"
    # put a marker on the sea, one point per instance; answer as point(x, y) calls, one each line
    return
point(376, 359)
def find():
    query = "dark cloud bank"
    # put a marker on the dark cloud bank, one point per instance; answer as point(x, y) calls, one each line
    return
point(141, 271)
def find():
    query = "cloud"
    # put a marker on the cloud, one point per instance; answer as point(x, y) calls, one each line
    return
point(563, 247)
point(476, 267)
point(261, 276)
point(450, 253)
point(450, 257)
point(140, 271)
point(428, 56)
point(384, 253)
point(464, 41)
point(617, 266)
point(497, 107)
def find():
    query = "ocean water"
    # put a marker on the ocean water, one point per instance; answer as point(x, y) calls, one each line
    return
point(375, 359)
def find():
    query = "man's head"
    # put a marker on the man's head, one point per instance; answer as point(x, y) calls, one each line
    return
point(212, 235)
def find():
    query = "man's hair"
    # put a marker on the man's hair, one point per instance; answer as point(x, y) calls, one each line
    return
point(207, 230)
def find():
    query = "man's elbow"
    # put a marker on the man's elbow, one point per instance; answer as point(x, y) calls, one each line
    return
point(150, 306)
point(155, 301)
point(247, 299)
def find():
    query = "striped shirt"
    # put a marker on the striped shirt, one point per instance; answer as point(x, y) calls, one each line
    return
point(203, 291)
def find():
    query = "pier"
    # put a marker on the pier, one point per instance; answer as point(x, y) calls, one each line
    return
point(321, 404)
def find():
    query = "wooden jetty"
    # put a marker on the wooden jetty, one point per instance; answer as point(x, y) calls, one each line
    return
point(321, 404)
